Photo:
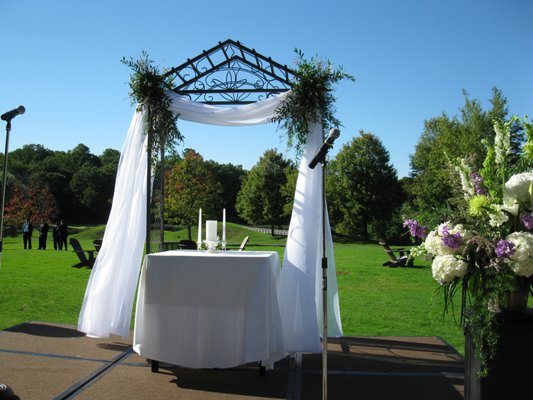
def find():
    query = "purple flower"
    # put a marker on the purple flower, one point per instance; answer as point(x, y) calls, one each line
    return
point(477, 180)
point(505, 249)
point(451, 240)
point(422, 231)
point(527, 220)
point(415, 228)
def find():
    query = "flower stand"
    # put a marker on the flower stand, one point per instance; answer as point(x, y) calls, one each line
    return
point(510, 376)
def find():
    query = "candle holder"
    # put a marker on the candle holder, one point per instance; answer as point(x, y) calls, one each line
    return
point(223, 245)
point(211, 245)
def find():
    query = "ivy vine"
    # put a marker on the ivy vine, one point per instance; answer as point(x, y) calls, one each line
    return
point(147, 89)
point(310, 100)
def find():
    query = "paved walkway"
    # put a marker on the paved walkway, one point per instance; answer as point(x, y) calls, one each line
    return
point(41, 360)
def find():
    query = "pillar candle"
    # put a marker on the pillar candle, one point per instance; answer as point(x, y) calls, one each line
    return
point(211, 231)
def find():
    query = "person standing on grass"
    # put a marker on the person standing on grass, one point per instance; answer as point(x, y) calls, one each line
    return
point(43, 234)
point(27, 229)
point(55, 235)
point(62, 232)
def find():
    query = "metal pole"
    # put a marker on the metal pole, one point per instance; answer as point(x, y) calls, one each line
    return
point(148, 194)
point(4, 179)
point(162, 201)
point(324, 291)
point(4, 389)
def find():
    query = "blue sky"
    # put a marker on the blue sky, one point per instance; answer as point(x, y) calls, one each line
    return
point(412, 59)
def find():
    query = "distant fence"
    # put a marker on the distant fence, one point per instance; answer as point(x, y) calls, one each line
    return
point(277, 232)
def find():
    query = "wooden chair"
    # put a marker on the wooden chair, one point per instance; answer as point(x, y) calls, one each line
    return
point(84, 260)
point(401, 260)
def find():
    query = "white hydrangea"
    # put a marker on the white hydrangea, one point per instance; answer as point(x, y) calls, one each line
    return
point(447, 267)
point(518, 189)
point(436, 247)
point(521, 262)
point(497, 216)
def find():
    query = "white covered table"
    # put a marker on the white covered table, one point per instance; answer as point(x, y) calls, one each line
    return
point(201, 310)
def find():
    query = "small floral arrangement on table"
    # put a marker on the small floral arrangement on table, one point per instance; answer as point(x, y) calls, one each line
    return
point(486, 251)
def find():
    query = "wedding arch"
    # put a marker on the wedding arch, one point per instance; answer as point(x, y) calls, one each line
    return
point(229, 85)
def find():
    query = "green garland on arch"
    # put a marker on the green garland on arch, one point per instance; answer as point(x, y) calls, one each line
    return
point(147, 89)
point(311, 99)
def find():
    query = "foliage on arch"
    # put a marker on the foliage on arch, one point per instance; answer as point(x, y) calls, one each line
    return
point(147, 89)
point(311, 99)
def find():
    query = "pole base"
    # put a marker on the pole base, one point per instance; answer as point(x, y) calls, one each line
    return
point(6, 393)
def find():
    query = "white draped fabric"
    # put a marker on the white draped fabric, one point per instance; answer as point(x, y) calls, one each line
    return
point(301, 274)
point(108, 301)
point(257, 113)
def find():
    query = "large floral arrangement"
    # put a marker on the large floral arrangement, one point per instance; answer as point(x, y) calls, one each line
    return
point(486, 250)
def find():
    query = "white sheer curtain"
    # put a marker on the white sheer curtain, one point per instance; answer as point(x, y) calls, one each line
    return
point(108, 301)
point(301, 274)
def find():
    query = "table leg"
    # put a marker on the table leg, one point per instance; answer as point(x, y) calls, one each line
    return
point(155, 365)
point(262, 369)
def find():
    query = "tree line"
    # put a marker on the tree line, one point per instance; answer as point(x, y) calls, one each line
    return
point(43, 184)
point(366, 199)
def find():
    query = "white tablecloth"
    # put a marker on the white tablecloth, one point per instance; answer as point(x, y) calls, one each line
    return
point(201, 310)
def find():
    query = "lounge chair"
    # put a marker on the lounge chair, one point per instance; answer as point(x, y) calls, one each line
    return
point(85, 260)
point(187, 245)
point(97, 244)
point(401, 260)
point(244, 242)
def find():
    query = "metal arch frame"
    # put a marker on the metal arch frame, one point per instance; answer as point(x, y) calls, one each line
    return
point(246, 77)
point(230, 74)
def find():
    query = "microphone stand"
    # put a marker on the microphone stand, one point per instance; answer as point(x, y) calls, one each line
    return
point(5, 391)
point(4, 179)
point(320, 156)
point(324, 288)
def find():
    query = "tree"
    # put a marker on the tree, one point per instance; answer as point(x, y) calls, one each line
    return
point(81, 182)
point(108, 171)
point(192, 185)
point(261, 199)
point(448, 138)
point(363, 188)
point(230, 178)
point(33, 201)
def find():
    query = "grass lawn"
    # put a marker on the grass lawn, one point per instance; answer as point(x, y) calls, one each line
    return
point(37, 285)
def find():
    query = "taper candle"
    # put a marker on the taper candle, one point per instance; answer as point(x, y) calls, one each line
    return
point(199, 241)
point(224, 225)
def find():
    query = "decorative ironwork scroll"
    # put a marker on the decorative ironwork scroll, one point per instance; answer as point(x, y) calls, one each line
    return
point(230, 73)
